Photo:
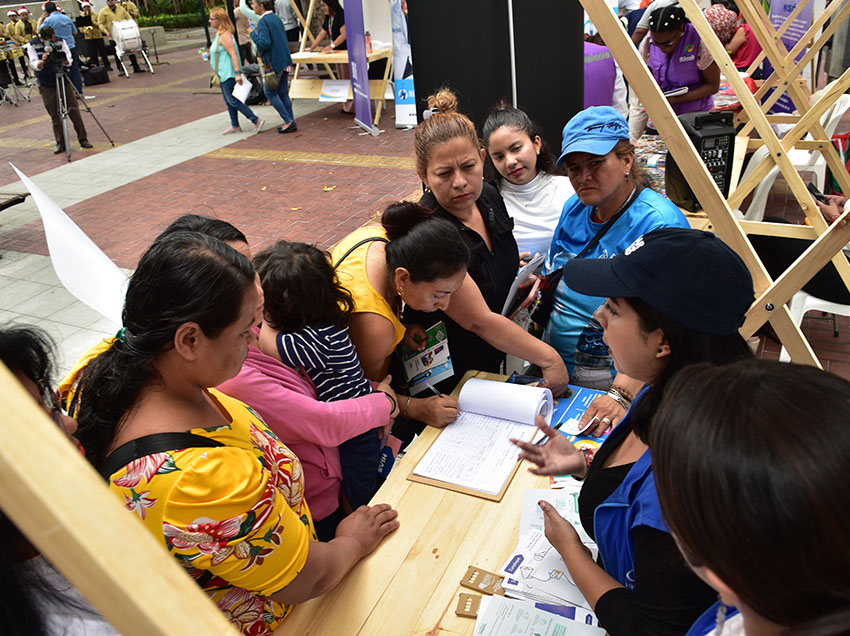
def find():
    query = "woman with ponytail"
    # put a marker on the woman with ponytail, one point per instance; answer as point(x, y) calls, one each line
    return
point(450, 162)
point(201, 470)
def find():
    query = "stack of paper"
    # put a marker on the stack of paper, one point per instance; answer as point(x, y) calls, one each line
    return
point(535, 570)
point(499, 616)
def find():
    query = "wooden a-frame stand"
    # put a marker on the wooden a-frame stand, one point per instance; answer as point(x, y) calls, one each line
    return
point(771, 296)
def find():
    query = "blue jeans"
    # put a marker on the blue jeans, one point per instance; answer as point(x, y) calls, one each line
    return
point(234, 106)
point(280, 98)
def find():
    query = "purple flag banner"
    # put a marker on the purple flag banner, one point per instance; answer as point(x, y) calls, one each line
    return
point(779, 11)
point(356, 38)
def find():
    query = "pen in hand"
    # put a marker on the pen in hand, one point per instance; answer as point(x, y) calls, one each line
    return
point(433, 390)
point(544, 438)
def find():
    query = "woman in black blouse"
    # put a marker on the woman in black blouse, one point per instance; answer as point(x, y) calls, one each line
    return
point(450, 162)
point(334, 28)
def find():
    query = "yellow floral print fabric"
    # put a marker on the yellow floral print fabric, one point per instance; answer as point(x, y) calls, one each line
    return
point(234, 516)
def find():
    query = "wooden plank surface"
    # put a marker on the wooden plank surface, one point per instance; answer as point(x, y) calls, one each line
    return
point(410, 584)
point(66, 510)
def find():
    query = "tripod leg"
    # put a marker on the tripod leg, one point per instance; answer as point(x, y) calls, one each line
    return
point(82, 101)
point(63, 111)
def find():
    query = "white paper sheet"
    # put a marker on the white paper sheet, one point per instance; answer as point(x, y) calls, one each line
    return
point(474, 452)
point(241, 91)
point(564, 500)
point(334, 90)
point(514, 402)
point(536, 570)
point(499, 616)
point(81, 266)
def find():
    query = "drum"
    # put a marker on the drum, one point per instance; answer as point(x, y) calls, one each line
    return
point(2, 54)
point(126, 35)
point(16, 52)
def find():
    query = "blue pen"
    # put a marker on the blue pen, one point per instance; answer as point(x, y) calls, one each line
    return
point(433, 390)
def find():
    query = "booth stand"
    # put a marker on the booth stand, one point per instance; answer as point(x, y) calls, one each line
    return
point(771, 296)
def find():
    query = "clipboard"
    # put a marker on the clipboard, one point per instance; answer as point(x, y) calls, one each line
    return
point(512, 425)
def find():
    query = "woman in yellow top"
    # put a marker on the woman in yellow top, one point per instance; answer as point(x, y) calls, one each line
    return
point(201, 470)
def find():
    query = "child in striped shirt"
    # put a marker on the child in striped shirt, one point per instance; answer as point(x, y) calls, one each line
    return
point(309, 312)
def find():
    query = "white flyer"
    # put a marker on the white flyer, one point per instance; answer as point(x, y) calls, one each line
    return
point(499, 616)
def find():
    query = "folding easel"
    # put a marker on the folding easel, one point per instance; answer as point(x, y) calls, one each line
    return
point(771, 295)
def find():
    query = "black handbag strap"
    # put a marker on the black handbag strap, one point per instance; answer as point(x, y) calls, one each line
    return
point(595, 240)
point(150, 445)
point(356, 245)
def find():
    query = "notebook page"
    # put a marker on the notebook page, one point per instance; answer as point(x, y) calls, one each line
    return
point(475, 452)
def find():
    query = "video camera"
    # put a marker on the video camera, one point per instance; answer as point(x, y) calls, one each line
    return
point(55, 55)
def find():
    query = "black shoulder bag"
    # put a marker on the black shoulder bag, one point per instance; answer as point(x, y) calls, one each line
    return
point(549, 282)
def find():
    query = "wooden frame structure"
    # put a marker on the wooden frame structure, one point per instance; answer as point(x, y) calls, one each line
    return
point(771, 296)
point(51, 493)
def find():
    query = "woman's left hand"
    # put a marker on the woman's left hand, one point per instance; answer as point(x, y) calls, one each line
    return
point(415, 338)
point(558, 530)
point(555, 377)
point(606, 412)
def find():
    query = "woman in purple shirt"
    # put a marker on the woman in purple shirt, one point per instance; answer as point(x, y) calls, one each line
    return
point(679, 60)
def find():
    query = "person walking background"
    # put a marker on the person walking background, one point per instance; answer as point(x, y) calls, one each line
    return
point(273, 50)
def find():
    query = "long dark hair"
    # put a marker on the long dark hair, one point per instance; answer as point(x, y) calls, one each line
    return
point(752, 467)
point(183, 277)
point(687, 346)
point(428, 248)
point(217, 228)
point(23, 588)
point(301, 288)
point(505, 115)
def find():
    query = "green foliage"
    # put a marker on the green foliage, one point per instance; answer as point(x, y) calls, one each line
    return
point(170, 21)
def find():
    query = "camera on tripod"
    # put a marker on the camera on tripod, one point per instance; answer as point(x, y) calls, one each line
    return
point(55, 55)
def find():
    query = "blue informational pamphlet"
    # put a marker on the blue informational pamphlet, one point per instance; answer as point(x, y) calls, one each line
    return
point(573, 407)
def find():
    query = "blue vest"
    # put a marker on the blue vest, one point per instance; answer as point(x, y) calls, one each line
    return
point(47, 75)
point(634, 503)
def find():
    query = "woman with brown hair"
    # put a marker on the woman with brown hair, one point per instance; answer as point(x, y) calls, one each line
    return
point(450, 162)
point(224, 60)
point(752, 467)
point(610, 209)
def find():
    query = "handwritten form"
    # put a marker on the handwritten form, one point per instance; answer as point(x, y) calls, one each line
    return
point(475, 452)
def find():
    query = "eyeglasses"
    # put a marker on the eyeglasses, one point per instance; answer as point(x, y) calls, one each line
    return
point(56, 412)
point(663, 45)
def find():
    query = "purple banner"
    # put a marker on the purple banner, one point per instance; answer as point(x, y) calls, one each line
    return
point(779, 11)
point(356, 39)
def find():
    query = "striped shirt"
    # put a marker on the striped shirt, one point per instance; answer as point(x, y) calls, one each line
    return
point(328, 356)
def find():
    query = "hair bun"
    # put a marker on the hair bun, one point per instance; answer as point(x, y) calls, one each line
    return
point(444, 101)
point(401, 217)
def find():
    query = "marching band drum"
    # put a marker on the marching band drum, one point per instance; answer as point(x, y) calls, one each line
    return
point(127, 38)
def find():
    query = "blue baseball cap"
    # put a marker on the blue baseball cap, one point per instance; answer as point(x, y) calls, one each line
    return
point(687, 275)
point(595, 130)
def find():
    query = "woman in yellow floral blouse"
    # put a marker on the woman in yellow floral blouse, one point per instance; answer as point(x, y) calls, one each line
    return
point(200, 469)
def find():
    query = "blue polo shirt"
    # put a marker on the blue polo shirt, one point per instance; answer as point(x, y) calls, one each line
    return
point(62, 26)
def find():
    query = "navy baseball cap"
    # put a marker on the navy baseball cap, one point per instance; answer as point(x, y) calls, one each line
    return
point(595, 130)
point(688, 275)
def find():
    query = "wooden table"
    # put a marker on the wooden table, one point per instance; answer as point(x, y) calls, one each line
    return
point(312, 88)
point(410, 584)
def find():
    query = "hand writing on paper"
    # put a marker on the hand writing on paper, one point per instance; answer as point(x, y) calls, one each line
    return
point(556, 456)
point(606, 411)
point(560, 532)
point(368, 525)
point(434, 411)
point(415, 338)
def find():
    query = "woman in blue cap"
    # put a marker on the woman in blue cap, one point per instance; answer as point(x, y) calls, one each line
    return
point(675, 297)
point(611, 208)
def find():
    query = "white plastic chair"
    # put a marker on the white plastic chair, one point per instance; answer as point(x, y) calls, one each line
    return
point(803, 160)
point(801, 303)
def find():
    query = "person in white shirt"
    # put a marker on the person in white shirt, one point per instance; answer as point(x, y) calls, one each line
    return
point(523, 164)
point(46, 73)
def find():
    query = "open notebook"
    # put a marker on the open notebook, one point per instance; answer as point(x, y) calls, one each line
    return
point(474, 454)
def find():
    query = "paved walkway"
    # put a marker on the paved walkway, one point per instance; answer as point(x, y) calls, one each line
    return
point(170, 158)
